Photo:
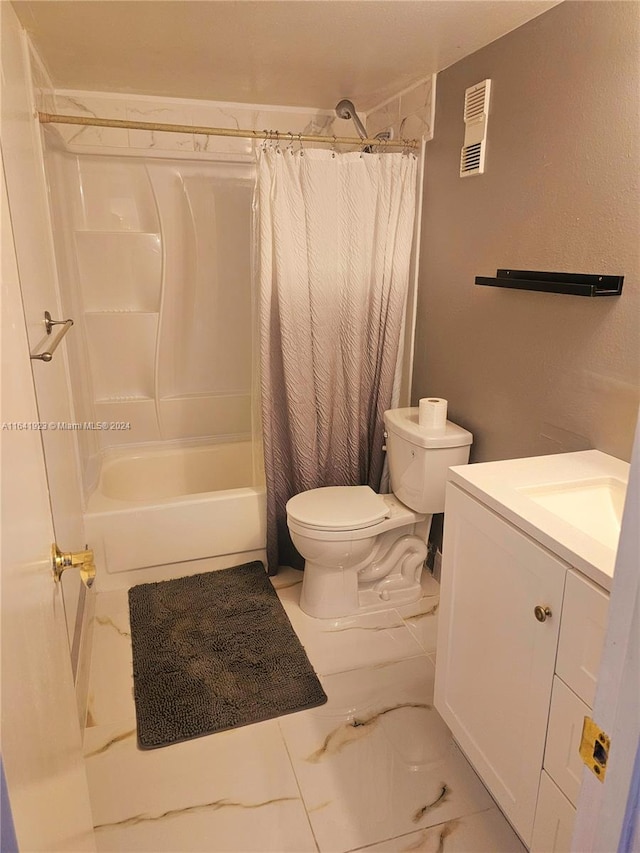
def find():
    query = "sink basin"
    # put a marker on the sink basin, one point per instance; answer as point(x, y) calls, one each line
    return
point(593, 506)
point(570, 503)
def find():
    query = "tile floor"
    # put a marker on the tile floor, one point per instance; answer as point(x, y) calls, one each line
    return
point(375, 769)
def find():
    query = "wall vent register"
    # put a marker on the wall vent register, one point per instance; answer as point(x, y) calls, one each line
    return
point(476, 112)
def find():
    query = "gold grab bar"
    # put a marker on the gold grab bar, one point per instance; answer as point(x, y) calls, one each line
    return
point(47, 355)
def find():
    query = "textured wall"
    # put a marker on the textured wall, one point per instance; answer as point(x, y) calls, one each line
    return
point(534, 373)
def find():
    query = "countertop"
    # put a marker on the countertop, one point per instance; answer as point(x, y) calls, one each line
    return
point(500, 485)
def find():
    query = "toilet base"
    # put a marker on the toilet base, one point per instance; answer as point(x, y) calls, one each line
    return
point(389, 593)
point(388, 578)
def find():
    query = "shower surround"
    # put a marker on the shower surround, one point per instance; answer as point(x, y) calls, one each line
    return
point(159, 253)
point(153, 235)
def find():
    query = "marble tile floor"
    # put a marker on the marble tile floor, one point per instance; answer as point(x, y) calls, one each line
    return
point(375, 769)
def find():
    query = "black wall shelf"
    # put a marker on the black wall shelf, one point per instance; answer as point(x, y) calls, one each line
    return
point(575, 284)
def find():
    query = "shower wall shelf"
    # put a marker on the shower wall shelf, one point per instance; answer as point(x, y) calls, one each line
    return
point(124, 399)
point(574, 284)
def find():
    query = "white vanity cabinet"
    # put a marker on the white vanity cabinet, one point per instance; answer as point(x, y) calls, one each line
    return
point(495, 661)
point(502, 625)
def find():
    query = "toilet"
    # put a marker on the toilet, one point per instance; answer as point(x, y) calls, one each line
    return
point(365, 551)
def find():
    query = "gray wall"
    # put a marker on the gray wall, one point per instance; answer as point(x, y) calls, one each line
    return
point(536, 373)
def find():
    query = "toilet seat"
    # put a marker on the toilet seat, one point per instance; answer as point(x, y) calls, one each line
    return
point(337, 508)
point(390, 515)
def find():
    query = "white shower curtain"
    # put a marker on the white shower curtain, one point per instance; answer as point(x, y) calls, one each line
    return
point(335, 234)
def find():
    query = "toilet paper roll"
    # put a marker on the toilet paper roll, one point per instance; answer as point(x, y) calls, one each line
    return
point(432, 413)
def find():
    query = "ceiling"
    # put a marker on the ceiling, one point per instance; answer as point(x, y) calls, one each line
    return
point(289, 52)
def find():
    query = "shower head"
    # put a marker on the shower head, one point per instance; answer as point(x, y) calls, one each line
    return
point(345, 109)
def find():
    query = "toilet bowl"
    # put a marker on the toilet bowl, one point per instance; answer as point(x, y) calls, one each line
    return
point(345, 534)
point(365, 551)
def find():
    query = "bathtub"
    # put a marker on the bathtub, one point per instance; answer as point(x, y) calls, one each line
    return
point(154, 507)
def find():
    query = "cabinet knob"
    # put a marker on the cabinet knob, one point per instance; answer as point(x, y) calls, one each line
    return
point(541, 613)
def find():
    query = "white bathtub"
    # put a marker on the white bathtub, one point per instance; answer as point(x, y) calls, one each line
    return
point(155, 507)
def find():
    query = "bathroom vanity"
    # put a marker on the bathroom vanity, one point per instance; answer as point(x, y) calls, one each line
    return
point(528, 559)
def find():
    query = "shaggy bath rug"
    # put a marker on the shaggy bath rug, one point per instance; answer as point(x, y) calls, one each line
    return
point(212, 652)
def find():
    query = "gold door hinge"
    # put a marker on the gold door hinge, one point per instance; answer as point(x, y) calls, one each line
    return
point(594, 748)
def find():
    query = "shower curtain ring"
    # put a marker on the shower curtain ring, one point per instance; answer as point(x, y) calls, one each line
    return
point(290, 145)
point(301, 149)
point(333, 147)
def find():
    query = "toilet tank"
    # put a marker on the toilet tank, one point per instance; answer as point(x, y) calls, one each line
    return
point(420, 458)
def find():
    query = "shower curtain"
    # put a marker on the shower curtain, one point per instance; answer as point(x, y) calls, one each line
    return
point(334, 247)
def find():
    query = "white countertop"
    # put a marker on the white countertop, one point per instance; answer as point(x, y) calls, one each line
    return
point(500, 485)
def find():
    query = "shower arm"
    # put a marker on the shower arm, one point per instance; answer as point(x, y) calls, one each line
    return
point(359, 126)
point(346, 110)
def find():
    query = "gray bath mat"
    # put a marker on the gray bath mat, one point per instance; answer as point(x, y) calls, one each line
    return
point(212, 652)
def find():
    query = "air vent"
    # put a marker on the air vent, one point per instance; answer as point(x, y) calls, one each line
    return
point(476, 110)
point(471, 158)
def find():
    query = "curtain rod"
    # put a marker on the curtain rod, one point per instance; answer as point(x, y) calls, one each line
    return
point(271, 135)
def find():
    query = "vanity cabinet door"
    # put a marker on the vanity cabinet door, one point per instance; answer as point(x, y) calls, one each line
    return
point(555, 818)
point(585, 614)
point(495, 663)
point(562, 759)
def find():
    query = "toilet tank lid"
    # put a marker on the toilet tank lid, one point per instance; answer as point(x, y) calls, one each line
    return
point(337, 508)
point(404, 422)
